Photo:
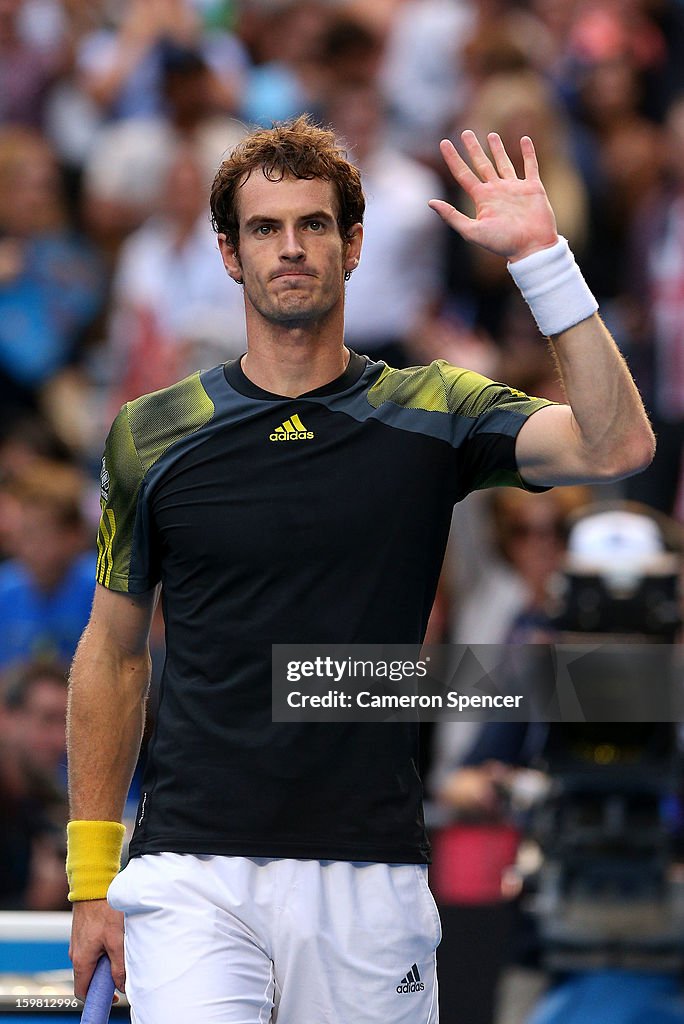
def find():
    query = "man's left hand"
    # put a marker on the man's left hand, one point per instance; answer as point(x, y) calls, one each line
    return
point(513, 216)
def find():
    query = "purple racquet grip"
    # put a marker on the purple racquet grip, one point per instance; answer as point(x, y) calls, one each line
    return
point(98, 1001)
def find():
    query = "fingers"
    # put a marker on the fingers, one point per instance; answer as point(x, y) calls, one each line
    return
point(484, 169)
point(479, 159)
point(116, 958)
point(84, 970)
point(83, 973)
point(502, 160)
point(529, 158)
point(458, 167)
point(96, 929)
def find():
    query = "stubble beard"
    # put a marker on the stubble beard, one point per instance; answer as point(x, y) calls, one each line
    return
point(293, 305)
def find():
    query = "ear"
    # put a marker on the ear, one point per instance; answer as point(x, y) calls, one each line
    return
point(231, 260)
point(353, 243)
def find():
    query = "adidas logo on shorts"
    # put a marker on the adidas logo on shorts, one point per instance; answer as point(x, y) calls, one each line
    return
point(411, 983)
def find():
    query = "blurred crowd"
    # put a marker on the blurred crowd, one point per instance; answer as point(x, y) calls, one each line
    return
point(114, 115)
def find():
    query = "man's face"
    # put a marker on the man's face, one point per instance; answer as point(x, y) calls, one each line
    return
point(291, 257)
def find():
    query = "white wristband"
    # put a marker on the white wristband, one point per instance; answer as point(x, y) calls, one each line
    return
point(553, 287)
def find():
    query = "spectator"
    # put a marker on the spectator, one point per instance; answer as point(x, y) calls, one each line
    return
point(121, 68)
point(46, 586)
point(657, 292)
point(621, 157)
point(23, 442)
point(506, 603)
point(32, 798)
point(350, 54)
point(125, 171)
point(26, 69)
point(422, 77)
point(493, 48)
point(391, 293)
point(51, 283)
point(174, 309)
point(26, 440)
point(625, 33)
point(289, 80)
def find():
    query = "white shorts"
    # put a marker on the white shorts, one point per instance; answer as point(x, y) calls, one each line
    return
point(241, 940)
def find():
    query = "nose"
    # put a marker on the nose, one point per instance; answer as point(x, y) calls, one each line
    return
point(292, 248)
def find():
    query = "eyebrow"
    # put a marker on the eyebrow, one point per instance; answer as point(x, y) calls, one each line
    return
point(321, 215)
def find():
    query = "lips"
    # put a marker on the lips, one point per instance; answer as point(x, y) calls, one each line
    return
point(292, 273)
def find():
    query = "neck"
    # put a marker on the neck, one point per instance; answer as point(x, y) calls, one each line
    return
point(291, 359)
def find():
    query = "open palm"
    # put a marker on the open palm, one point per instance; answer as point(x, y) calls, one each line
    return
point(513, 216)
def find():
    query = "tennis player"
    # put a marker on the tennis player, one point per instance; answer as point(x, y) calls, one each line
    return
point(302, 493)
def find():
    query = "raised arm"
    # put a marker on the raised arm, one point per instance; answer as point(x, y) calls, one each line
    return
point(107, 691)
point(603, 432)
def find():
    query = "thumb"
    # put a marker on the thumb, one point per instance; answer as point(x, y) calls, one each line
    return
point(452, 217)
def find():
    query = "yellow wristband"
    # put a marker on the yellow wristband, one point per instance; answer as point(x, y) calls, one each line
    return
point(93, 857)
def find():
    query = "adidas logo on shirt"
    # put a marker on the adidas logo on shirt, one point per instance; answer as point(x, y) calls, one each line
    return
point(411, 983)
point(291, 430)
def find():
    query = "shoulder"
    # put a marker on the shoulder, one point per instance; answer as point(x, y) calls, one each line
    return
point(438, 387)
point(148, 426)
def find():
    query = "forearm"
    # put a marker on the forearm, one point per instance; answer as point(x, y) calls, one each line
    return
point(603, 434)
point(107, 690)
point(104, 725)
point(608, 416)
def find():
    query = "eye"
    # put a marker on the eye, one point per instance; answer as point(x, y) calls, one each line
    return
point(315, 225)
point(263, 230)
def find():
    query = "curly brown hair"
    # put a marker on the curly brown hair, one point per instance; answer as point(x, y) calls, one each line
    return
point(298, 148)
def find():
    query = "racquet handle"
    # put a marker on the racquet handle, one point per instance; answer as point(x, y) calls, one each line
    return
point(98, 1001)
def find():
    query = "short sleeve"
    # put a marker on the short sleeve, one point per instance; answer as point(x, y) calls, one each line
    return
point(125, 561)
point(489, 416)
point(479, 418)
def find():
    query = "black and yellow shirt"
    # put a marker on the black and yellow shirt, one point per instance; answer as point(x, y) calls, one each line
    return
point(276, 520)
